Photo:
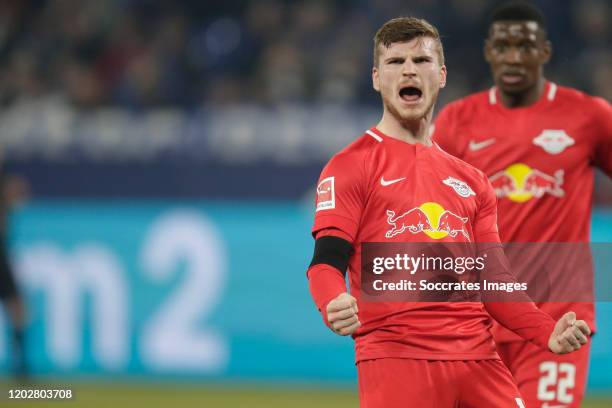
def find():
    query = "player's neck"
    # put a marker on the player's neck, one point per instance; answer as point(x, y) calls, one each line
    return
point(408, 131)
point(527, 98)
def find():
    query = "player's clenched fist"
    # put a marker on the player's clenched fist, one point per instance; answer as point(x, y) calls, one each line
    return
point(342, 314)
point(569, 334)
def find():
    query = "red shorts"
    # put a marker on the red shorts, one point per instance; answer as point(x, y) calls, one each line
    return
point(406, 383)
point(546, 379)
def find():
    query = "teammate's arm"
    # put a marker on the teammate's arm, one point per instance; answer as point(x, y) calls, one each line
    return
point(516, 311)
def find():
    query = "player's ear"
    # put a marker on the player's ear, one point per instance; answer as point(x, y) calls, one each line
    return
point(443, 76)
point(546, 52)
point(486, 50)
point(375, 79)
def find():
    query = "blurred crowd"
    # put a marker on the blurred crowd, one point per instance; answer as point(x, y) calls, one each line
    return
point(139, 54)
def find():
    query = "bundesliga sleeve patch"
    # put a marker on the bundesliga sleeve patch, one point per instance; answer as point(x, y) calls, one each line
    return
point(326, 196)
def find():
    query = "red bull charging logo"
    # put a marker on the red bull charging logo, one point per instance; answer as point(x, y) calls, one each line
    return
point(521, 183)
point(429, 218)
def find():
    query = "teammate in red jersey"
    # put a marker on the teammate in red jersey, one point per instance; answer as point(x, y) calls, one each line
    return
point(538, 143)
point(394, 185)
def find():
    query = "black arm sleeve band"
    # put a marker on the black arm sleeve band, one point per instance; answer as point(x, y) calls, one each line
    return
point(332, 251)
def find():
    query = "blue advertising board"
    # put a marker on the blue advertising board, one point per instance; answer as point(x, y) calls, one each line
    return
point(213, 290)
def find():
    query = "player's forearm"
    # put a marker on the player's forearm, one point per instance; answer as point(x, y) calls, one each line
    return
point(524, 319)
point(325, 283)
point(515, 310)
point(328, 267)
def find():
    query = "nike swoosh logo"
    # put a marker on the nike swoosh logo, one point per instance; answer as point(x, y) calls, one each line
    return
point(386, 183)
point(475, 146)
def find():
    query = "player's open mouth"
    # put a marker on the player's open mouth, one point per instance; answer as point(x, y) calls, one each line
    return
point(512, 78)
point(410, 94)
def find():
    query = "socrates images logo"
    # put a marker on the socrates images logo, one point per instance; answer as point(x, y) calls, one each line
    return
point(521, 183)
point(429, 218)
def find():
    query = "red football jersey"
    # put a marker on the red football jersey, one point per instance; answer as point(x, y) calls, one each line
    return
point(539, 160)
point(380, 189)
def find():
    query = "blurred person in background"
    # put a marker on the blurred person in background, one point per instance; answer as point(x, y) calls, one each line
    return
point(538, 142)
point(144, 55)
point(13, 191)
point(406, 352)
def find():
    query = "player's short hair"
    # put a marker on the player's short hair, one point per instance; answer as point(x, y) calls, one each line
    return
point(518, 11)
point(405, 29)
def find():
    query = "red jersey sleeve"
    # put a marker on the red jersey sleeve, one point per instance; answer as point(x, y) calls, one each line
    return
point(325, 284)
point(524, 319)
point(445, 130)
point(341, 194)
point(485, 222)
point(602, 123)
point(516, 311)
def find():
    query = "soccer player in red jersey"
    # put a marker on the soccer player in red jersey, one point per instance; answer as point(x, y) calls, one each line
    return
point(538, 143)
point(394, 185)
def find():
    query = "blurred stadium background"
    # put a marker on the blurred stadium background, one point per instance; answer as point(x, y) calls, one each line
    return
point(171, 151)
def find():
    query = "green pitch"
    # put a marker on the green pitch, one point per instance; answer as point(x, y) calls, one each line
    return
point(172, 396)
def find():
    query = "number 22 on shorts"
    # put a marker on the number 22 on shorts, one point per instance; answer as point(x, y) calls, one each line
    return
point(561, 375)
